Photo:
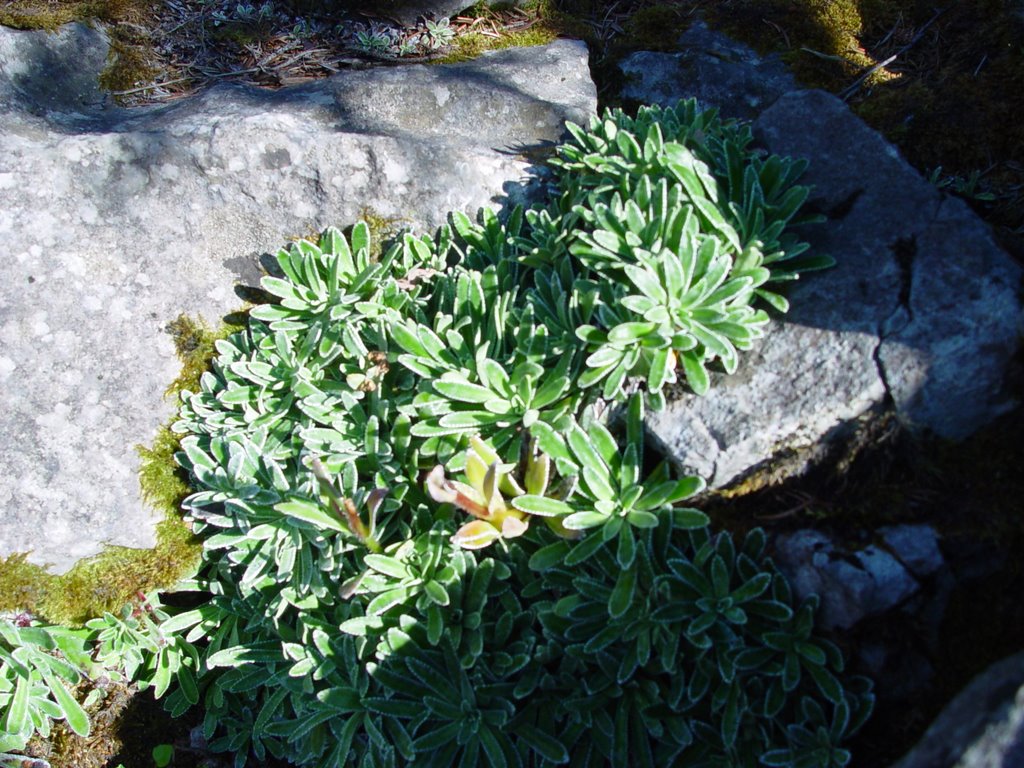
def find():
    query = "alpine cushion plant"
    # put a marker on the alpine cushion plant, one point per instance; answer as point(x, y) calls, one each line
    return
point(42, 667)
point(433, 535)
point(676, 227)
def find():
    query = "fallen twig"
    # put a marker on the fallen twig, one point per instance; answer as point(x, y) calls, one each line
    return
point(778, 29)
point(151, 86)
point(853, 87)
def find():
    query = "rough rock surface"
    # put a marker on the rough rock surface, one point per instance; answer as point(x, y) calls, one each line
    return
point(922, 313)
point(916, 546)
point(711, 68)
point(902, 580)
point(983, 727)
point(851, 585)
point(115, 222)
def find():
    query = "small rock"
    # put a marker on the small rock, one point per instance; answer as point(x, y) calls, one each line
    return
point(851, 586)
point(710, 67)
point(983, 727)
point(893, 584)
point(916, 546)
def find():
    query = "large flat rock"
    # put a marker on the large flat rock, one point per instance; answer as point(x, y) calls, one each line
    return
point(116, 221)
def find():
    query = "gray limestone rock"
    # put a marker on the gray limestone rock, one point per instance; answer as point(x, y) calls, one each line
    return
point(116, 221)
point(983, 727)
point(945, 355)
point(851, 585)
point(53, 74)
point(922, 311)
point(710, 67)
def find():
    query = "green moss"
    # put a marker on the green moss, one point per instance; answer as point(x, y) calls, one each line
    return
point(548, 23)
point(22, 584)
point(471, 45)
point(128, 65)
point(107, 581)
point(41, 14)
point(101, 583)
point(131, 50)
point(655, 28)
point(110, 579)
point(195, 344)
point(382, 229)
point(820, 39)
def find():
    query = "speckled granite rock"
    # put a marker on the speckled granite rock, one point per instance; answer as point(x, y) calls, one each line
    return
point(115, 222)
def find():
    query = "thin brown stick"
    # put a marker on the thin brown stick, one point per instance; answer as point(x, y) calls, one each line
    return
point(853, 87)
point(151, 86)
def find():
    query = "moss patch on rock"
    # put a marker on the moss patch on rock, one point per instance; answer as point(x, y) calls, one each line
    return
point(471, 45)
point(131, 48)
point(546, 24)
point(129, 64)
point(656, 27)
point(112, 578)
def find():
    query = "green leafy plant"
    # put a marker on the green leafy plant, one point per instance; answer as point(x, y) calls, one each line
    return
point(372, 452)
point(37, 667)
point(47, 672)
point(677, 228)
point(373, 39)
point(135, 647)
point(245, 15)
point(432, 533)
point(967, 187)
point(439, 33)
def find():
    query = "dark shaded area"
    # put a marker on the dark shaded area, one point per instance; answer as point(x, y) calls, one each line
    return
point(404, 11)
point(146, 724)
point(956, 627)
point(950, 95)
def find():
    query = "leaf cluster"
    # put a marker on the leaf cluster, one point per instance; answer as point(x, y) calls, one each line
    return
point(37, 664)
point(348, 611)
point(581, 615)
point(46, 670)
